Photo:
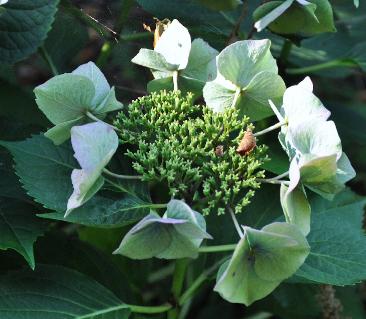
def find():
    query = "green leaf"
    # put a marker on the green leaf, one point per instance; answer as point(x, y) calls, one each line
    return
point(53, 292)
point(23, 27)
point(247, 78)
point(296, 207)
point(66, 98)
point(221, 5)
point(177, 234)
point(337, 241)
point(94, 145)
point(105, 212)
point(153, 60)
point(19, 228)
point(44, 170)
point(261, 260)
point(314, 17)
point(241, 61)
point(9, 182)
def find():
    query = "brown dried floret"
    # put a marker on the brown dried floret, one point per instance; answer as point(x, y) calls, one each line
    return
point(247, 144)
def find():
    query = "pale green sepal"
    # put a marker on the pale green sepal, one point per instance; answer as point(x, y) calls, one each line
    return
point(175, 44)
point(296, 207)
point(94, 145)
point(93, 73)
point(61, 132)
point(153, 60)
point(242, 60)
point(261, 260)
point(109, 104)
point(65, 97)
point(177, 234)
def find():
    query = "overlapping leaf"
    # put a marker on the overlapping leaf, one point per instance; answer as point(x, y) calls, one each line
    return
point(174, 52)
point(94, 145)
point(66, 99)
point(246, 79)
point(177, 234)
point(261, 260)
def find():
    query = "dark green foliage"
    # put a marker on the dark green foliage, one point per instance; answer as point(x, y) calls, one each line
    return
point(192, 149)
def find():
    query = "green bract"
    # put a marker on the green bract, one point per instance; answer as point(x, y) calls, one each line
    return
point(299, 103)
point(246, 79)
point(300, 17)
point(94, 145)
point(319, 162)
point(177, 234)
point(66, 99)
point(261, 260)
point(193, 63)
point(296, 207)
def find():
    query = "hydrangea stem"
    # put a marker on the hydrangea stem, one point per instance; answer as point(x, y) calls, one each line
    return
point(217, 249)
point(189, 293)
point(150, 310)
point(175, 80)
point(236, 223)
point(121, 176)
point(94, 118)
point(236, 97)
point(271, 128)
point(177, 285)
point(273, 181)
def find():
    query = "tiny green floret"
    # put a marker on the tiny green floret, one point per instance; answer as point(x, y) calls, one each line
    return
point(192, 150)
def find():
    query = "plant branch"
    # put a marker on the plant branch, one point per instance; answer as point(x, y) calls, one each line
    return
point(217, 249)
point(189, 293)
point(175, 80)
point(275, 181)
point(236, 97)
point(276, 112)
point(177, 285)
point(278, 177)
point(271, 128)
point(285, 51)
point(94, 118)
point(49, 61)
point(236, 223)
point(323, 66)
point(106, 171)
point(235, 31)
point(150, 309)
